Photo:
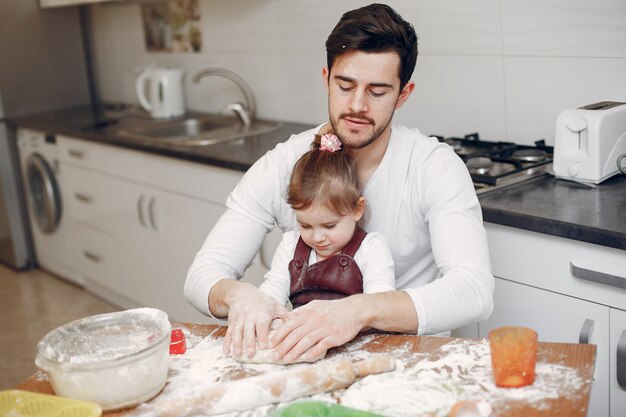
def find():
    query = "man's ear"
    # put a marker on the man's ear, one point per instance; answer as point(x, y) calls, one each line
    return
point(405, 93)
point(325, 75)
point(360, 209)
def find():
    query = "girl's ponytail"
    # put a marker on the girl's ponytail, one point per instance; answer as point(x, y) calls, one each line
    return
point(325, 176)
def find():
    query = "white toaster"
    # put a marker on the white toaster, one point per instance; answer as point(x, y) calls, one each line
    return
point(589, 141)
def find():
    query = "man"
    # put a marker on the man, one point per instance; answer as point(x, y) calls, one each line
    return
point(420, 198)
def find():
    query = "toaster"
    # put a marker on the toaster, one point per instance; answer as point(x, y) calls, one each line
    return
point(589, 140)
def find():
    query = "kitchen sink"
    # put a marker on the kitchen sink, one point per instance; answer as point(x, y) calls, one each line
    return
point(196, 131)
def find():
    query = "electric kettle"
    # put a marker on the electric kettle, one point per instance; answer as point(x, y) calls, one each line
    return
point(160, 92)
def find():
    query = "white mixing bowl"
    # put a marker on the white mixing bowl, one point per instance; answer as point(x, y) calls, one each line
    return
point(116, 360)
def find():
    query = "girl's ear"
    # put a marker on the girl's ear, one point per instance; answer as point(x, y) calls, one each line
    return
point(360, 209)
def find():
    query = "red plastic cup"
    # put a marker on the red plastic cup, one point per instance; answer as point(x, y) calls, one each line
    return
point(177, 342)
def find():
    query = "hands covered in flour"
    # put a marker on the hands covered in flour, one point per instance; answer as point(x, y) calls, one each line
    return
point(309, 331)
point(250, 313)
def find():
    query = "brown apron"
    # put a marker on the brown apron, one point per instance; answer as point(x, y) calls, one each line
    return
point(330, 279)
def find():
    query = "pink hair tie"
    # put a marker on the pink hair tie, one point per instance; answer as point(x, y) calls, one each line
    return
point(330, 142)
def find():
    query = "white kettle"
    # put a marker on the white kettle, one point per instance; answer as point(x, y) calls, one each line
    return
point(164, 87)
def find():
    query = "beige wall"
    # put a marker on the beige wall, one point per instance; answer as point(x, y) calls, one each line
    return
point(504, 68)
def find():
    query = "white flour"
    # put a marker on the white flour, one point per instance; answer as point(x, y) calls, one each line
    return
point(433, 386)
point(104, 337)
point(421, 383)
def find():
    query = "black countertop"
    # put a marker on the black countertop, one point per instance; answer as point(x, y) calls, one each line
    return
point(545, 205)
point(80, 122)
point(563, 208)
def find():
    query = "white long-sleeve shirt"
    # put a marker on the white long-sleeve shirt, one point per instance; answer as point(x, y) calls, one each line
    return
point(372, 257)
point(421, 199)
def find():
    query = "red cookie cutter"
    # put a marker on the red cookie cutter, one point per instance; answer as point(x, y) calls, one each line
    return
point(177, 342)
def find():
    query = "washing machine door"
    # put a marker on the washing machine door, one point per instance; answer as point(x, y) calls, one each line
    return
point(43, 193)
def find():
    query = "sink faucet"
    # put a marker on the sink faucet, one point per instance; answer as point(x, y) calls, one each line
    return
point(245, 113)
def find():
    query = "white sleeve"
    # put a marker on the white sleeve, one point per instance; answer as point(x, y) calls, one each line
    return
point(464, 292)
point(376, 264)
point(277, 281)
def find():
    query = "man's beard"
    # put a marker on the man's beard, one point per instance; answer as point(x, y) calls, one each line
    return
point(343, 136)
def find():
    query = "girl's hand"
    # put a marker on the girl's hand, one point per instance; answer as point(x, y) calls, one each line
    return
point(250, 313)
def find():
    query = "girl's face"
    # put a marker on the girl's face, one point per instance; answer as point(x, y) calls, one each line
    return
point(326, 232)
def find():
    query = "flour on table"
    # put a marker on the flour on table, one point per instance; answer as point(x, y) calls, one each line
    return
point(421, 383)
point(464, 373)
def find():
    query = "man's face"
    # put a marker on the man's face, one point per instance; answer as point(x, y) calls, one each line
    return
point(363, 93)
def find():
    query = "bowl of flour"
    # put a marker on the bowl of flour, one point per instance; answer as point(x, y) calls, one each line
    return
point(116, 360)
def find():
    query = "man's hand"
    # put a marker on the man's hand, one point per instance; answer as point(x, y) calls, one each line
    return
point(316, 327)
point(320, 325)
point(250, 313)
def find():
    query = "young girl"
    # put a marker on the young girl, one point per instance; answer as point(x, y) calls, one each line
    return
point(329, 256)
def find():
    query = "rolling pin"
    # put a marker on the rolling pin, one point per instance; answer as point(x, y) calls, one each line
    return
point(274, 387)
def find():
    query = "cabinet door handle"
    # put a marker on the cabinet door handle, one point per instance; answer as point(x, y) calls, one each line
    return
point(599, 277)
point(153, 218)
point(585, 331)
point(91, 256)
point(82, 197)
point(621, 361)
point(142, 220)
point(76, 153)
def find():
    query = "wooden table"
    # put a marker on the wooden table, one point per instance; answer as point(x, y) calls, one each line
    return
point(577, 358)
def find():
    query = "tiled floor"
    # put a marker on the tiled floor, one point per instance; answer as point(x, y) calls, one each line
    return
point(31, 304)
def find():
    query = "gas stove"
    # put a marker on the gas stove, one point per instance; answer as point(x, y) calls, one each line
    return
point(494, 165)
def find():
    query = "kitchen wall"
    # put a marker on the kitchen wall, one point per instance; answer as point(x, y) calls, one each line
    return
point(504, 68)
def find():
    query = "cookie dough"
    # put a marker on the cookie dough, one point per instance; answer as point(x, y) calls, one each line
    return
point(264, 356)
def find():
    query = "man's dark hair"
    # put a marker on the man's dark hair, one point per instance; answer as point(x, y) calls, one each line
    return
point(374, 28)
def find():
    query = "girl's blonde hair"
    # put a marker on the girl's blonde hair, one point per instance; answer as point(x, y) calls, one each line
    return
point(325, 178)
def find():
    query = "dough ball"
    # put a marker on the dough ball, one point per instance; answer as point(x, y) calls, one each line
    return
point(264, 356)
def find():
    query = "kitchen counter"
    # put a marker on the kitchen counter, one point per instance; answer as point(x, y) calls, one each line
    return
point(544, 205)
point(562, 208)
point(79, 122)
point(432, 373)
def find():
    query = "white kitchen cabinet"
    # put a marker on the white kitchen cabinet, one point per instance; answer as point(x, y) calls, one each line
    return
point(556, 318)
point(97, 260)
point(618, 363)
point(138, 248)
point(139, 219)
point(564, 289)
point(89, 197)
point(163, 232)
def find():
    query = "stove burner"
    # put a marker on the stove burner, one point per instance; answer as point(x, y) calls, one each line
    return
point(479, 165)
point(455, 144)
point(530, 155)
point(495, 164)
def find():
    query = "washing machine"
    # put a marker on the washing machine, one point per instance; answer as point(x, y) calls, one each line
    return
point(42, 182)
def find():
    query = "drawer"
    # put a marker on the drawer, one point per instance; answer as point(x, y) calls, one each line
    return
point(82, 153)
point(88, 197)
point(96, 257)
point(200, 181)
point(570, 267)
